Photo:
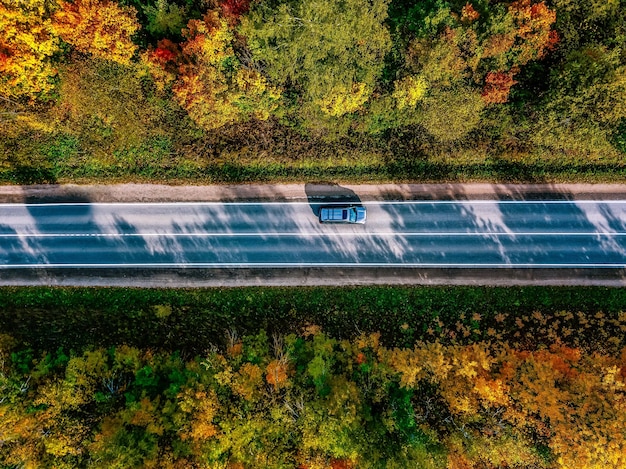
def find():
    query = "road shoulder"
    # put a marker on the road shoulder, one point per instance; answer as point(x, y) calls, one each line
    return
point(120, 193)
point(309, 277)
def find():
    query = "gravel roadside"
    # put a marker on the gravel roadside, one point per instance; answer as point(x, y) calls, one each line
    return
point(296, 192)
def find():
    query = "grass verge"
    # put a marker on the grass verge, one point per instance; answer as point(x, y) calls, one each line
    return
point(192, 320)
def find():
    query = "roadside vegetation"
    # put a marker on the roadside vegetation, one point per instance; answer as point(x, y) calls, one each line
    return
point(209, 91)
point(308, 90)
point(313, 378)
point(190, 321)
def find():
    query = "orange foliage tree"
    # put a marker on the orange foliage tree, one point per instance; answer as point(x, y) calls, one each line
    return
point(534, 34)
point(530, 38)
point(276, 374)
point(469, 14)
point(578, 402)
point(574, 402)
point(214, 86)
point(102, 28)
point(497, 87)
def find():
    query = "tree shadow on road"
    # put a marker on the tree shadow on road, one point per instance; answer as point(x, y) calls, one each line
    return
point(322, 193)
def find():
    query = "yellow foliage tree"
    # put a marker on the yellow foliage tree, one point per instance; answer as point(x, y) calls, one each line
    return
point(197, 409)
point(445, 61)
point(409, 91)
point(578, 401)
point(26, 46)
point(344, 99)
point(575, 401)
point(102, 28)
point(247, 381)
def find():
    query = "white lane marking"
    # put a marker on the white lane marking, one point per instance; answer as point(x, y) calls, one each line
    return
point(311, 234)
point(310, 264)
point(312, 202)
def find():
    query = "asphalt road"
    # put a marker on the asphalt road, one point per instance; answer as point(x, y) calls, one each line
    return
point(471, 234)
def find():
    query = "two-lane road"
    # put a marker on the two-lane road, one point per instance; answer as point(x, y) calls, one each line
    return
point(489, 233)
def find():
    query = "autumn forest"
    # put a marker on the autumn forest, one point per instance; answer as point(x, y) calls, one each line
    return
point(211, 91)
point(368, 377)
point(269, 90)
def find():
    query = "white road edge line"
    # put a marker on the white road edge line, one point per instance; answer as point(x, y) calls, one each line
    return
point(307, 264)
point(309, 234)
point(367, 202)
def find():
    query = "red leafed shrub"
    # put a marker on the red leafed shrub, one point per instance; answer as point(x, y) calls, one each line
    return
point(539, 10)
point(497, 87)
point(340, 464)
point(164, 54)
point(553, 40)
point(233, 9)
point(165, 51)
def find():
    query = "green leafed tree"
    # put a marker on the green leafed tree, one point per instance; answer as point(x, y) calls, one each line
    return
point(586, 100)
point(165, 18)
point(328, 52)
point(591, 84)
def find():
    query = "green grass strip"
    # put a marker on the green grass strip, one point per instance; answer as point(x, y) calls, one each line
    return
point(194, 319)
